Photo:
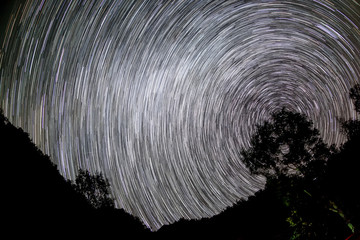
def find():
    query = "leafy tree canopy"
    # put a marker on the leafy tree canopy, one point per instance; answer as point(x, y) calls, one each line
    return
point(287, 145)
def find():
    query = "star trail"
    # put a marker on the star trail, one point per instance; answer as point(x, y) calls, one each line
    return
point(161, 96)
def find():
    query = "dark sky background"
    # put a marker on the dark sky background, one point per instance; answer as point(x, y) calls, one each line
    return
point(161, 96)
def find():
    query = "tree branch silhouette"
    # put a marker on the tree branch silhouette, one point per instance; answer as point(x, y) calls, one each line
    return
point(95, 188)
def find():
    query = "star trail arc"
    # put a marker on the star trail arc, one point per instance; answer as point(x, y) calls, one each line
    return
point(161, 96)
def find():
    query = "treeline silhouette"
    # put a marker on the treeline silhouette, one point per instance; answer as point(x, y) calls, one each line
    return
point(39, 201)
point(319, 204)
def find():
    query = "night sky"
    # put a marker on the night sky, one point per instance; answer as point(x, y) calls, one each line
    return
point(161, 96)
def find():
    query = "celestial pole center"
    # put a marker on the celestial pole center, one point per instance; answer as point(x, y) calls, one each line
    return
point(161, 96)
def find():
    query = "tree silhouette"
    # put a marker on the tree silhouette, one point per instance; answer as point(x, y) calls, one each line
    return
point(343, 170)
point(290, 153)
point(95, 188)
point(351, 128)
point(287, 145)
point(355, 96)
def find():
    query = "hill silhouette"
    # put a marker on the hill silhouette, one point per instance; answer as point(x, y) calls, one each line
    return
point(260, 217)
point(39, 201)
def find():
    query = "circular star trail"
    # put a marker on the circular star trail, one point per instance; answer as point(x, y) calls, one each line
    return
point(161, 96)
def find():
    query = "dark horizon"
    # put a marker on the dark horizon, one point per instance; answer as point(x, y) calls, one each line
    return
point(53, 200)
